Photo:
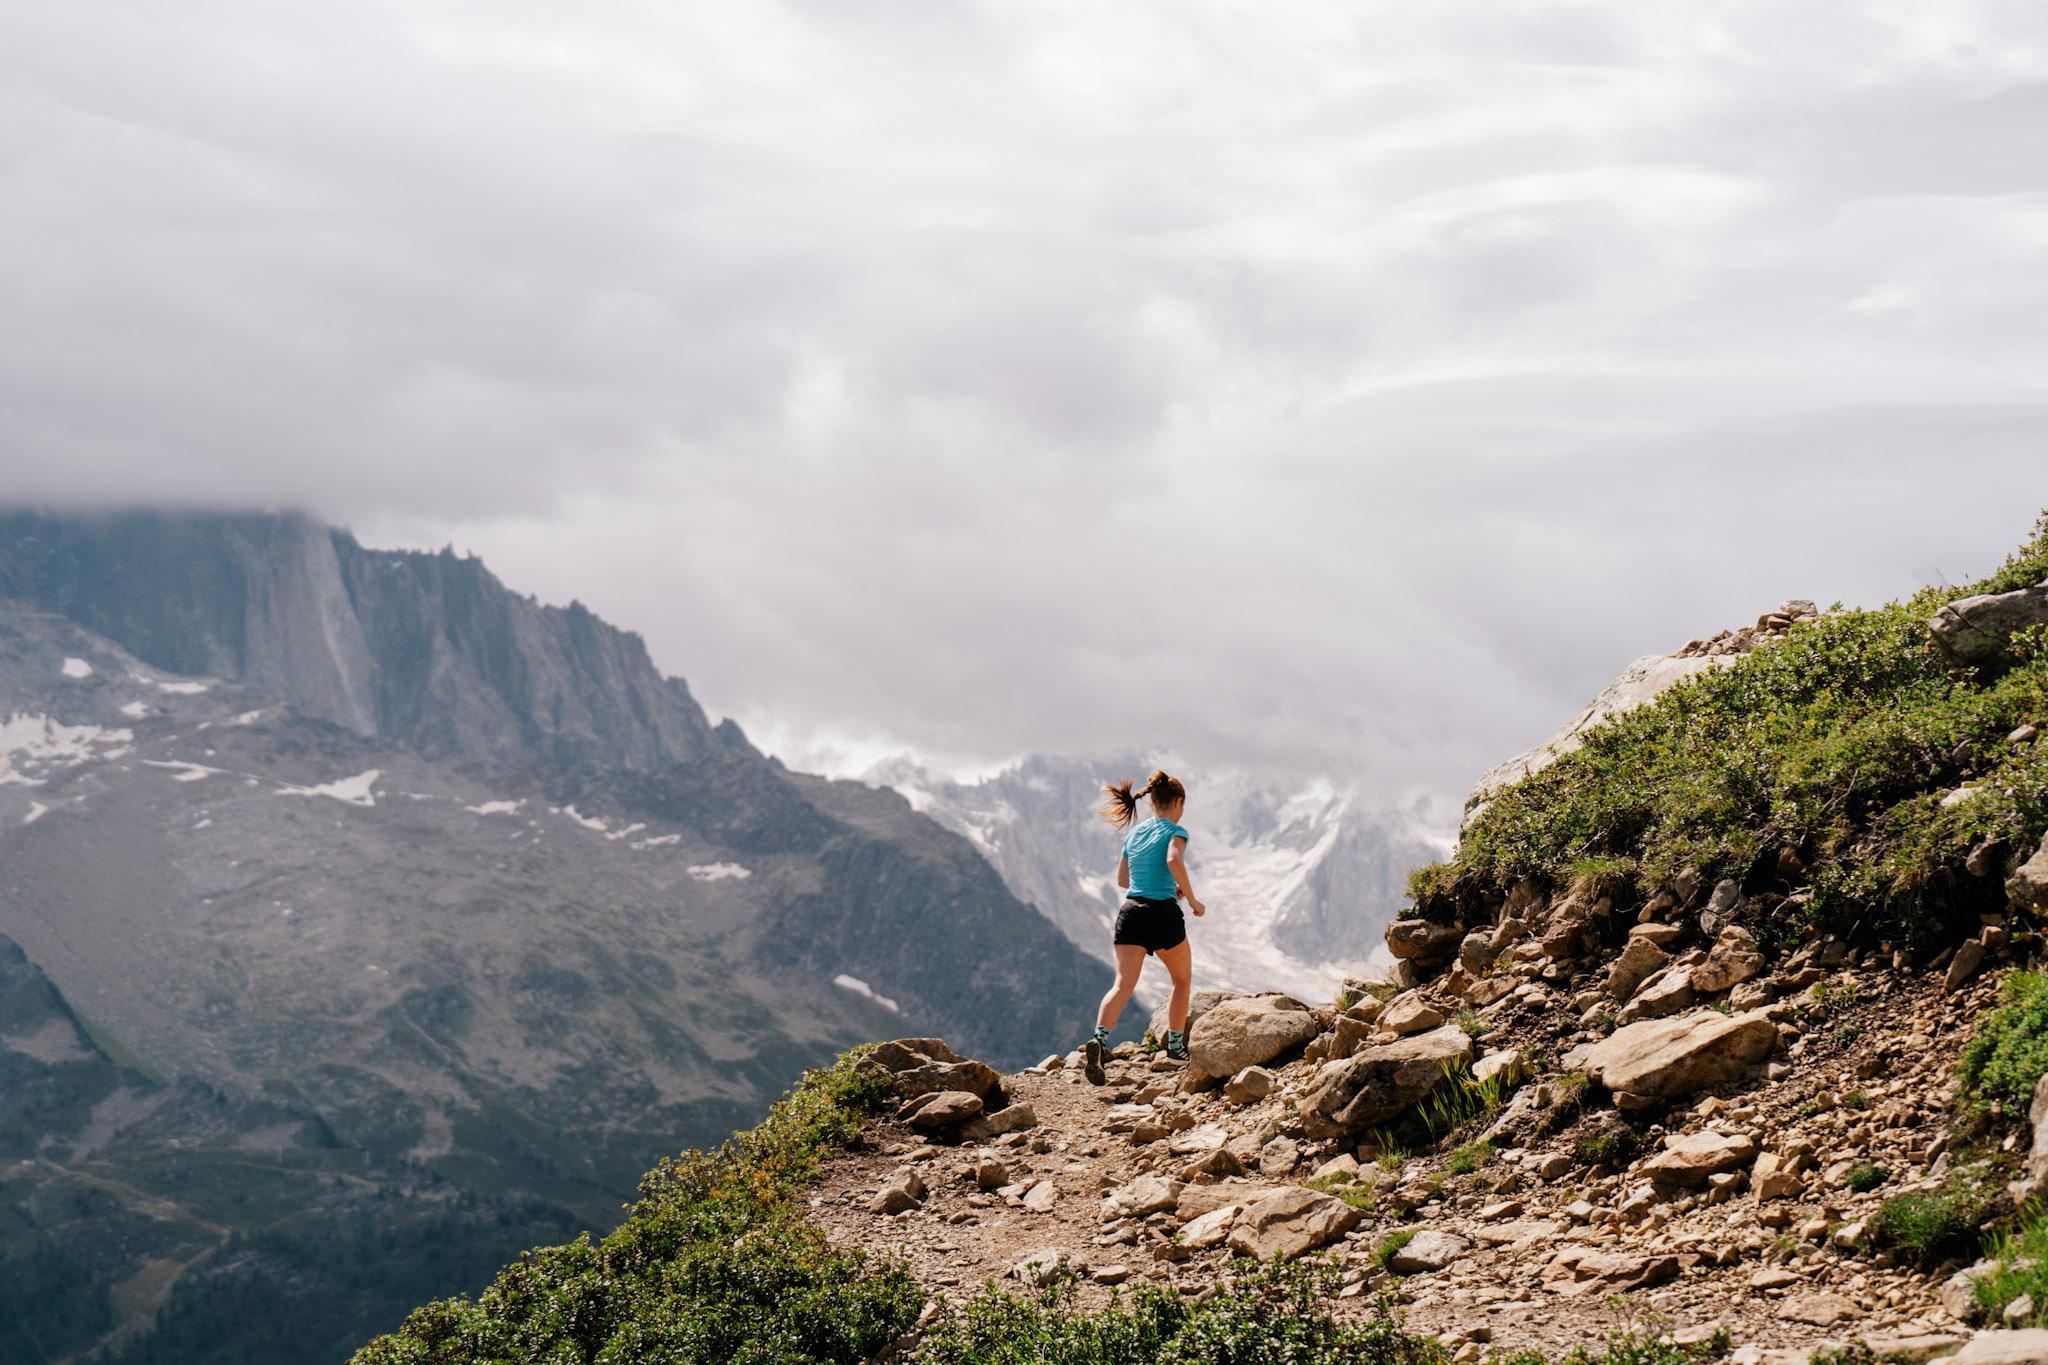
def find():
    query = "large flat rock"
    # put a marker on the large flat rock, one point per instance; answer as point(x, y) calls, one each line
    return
point(1669, 1058)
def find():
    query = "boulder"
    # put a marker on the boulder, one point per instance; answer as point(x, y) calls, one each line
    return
point(976, 1078)
point(1422, 940)
point(1211, 1228)
point(1249, 1086)
point(1689, 1160)
point(1775, 1176)
point(1199, 1004)
point(1666, 993)
point(1977, 631)
point(1014, 1119)
point(1969, 957)
point(1041, 1197)
point(945, 1109)
point(1508, 1065)
point(1733, 960)
point(1146, 1195)
point(1614, 1272)
point(904, 1190)
point(2027, 887)
point(1407, 1014)
point(1670, 1058)
point(1638, 960)
point(1288, 1224)
point(1040, 1267)
point(2025, 1347)
point(1427, 1250)
point(1376, 1084)
point(1279, 1156)
point(1819, 1310)
point(1247, 1031)
point(990, 1173)
point(1352, 1032)
point(1476, 952)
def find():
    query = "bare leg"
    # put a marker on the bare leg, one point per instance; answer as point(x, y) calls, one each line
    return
point(1130, 960)
point(1180, 965)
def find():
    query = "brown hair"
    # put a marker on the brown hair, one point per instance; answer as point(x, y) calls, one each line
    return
point(1122, 805)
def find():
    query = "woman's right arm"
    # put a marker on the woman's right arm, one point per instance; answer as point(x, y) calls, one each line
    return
point(1177, 864)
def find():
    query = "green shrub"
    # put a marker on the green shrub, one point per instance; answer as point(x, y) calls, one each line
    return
point(1931, 1227)
point(1613, 1147)
point(2009, 1054)
point(1459, 1099)
point(2022, 1258)
point(1865, 1176)
point(1469, 1158)
point(1266, 1315)
point(714, 1263)
point(1839, 741)
point(1643, 1346)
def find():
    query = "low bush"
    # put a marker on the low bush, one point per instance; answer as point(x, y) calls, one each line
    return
point(2009, 1054)
point(1838, 743)
point(1865, 1176)
point(1469, 1158)
point(1265, 1315)
point(1643, 1346)
point(715, 1262)
point(1613, 1147)
point(2022, 1270)
point(1931, 1227)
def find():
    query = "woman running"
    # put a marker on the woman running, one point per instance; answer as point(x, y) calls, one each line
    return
point(1153, 873)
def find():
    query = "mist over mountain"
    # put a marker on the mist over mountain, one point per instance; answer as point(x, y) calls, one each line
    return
point(351, 900)
point(1300, 879)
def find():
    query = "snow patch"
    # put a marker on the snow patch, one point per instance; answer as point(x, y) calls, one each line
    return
point(863, 989)
point(184, 689)
point(588, 822)
point(656, 841)
point(245, 718)
point(618, 834)
point(36, 811)
point(186, 772)
point(355, 791)
point(495, 807)
point(204, 823)
point(135, 710)
point(719, 872)
point(77, 668)
point(39, 742)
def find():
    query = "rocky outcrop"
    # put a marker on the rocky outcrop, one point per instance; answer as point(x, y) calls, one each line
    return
point(1380, 1082)
point(1247, 1031)
point(1977, 631)
point(1671, 1058)
point(2027, 887)
point(1289, 1224)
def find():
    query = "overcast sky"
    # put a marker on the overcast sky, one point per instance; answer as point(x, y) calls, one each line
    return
point(1320, 387)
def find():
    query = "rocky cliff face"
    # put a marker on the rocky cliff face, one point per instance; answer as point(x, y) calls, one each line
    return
point(409, 878)
point(429, 650)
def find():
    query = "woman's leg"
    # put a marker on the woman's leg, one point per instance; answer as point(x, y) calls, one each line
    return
point(1130, 960)
point(1180, 965)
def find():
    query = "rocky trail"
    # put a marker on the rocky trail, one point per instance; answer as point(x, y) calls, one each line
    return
point(1522, 1143)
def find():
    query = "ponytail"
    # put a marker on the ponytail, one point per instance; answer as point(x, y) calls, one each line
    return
point(1120, 805)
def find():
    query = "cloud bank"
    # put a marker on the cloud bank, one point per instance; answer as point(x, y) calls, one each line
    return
point(1328, 388)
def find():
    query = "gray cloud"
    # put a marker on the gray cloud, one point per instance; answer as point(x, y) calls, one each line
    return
point(1319, 386)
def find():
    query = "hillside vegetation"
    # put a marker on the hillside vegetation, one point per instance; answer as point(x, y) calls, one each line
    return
point(1846, 775)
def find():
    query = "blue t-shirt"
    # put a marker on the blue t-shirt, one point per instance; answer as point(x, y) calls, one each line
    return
point(1145, 849)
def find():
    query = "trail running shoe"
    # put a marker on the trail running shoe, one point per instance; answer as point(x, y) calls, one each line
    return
point(1177, 1049)
point(1091, 1063)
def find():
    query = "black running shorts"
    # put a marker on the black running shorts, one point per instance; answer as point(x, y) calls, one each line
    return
point(1149, 924)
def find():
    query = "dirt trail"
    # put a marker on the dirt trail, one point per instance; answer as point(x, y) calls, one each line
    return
point(1858, 1080)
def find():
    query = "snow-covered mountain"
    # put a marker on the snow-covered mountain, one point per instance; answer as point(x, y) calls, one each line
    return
point(1300, 879)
